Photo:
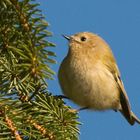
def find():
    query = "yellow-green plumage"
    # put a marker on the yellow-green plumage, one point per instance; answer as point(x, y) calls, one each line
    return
point(90, 77)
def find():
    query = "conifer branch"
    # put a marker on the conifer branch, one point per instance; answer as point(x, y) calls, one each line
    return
point(13, 129)
point(22, 17)
point(43, 130)
point(27, 110)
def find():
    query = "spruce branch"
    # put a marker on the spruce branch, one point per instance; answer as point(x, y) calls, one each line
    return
point(12, 128)
point(27, 110)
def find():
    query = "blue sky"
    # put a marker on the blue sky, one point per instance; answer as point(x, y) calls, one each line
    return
point(118, 22)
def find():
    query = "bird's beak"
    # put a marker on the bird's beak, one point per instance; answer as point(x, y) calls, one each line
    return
point(67, 37)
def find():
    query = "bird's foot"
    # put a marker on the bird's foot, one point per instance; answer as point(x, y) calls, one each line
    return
point(62, 97)
point(73, 111)
point(79, 109)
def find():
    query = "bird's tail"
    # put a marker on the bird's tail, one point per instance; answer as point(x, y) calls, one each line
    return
point(135, 118)
point(131, 119)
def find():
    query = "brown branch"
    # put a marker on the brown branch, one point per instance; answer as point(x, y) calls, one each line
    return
point(22, 16)
point(43, 130)
point(12, 128)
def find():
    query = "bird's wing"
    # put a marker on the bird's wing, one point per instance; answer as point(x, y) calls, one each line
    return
point(112, 67)
point(124, 101)
point(126, 110)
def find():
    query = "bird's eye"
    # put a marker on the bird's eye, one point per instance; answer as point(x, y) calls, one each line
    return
point(83, 38)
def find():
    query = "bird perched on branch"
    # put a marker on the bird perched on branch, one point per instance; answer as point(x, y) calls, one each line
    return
point(90, 77)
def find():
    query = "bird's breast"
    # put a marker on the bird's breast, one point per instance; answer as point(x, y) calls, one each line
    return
point(90, 85)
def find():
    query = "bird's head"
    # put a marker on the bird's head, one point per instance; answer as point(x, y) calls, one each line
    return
point(84, 40)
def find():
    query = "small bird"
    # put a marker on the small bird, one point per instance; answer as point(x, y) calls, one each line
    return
point(90, 77)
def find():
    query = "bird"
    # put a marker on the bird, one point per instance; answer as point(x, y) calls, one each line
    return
point(90, 77)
